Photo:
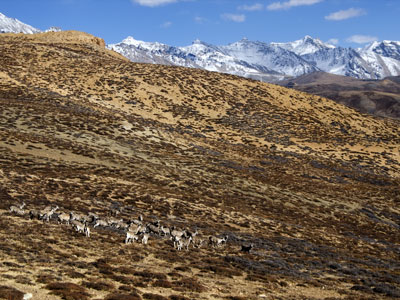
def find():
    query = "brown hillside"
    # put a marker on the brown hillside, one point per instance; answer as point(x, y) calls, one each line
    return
point(376, 97)
point(314, 185)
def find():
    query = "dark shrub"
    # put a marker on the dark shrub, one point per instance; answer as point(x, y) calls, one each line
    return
point(162, 283)
point(177, 297)
point(189, 284)
point(150, 296)
point(45, 278)
point(23, 280)
point(387, 290)
point(146, 274)
point(68, 290)
point(74, 274)
point(128, 288)
point(10, 293)
point(361, 288)
point(222, 271)
point(118, 296)
point(123, 279)
point(99, 285)
point(183, 268)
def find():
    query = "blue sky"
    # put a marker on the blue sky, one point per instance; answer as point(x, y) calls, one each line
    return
point(179, 22)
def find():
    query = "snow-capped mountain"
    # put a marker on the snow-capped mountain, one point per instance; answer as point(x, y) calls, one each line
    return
point(213, 58)
point(383, 57)
point(341, 61)
point(274, 61)
point(244, 58)
point(139, 51)
point(269, 57)
point(53, 29)
point(304, 46)
point(10, 25)
point(389, 49)
point(197, 55)
point(258, 60)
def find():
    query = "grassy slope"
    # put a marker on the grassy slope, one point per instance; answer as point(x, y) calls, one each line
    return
point(313, 184)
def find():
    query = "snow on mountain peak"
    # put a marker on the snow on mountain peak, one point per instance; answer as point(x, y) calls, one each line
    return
point(199, 47)
point(12, 25)
point(371, 46)
point(305, 45)
point(273, 61)
point(54, 29)
point(259, 60)
point(130, 41)
point(385, 49)
point(149, 46)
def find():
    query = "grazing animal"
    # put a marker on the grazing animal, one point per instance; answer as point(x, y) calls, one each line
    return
point(217, 242)
point(34, 214)
point(135, 229)
point(247, 248)
point(63, 217)
point(87, 230)
point(191, 234)
point(47, 212)
point(164, 231)
point(121, 225)
point(19, 210)
point(78, 216)
point(78, 226)
point(145, 238)
point(176, 240)
point(139, 220)
point(114, 221)
point(177, 233)
point(184, 243)
point(92, 217)
point(100, 222)
point(197, 242)
point(153, 228)
point(131, 237)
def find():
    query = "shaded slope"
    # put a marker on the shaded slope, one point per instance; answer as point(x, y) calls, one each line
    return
point(377, 97)
point(313, 184)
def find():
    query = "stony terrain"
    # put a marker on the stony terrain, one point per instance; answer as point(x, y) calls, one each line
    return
point(314, 185)
point(377, 97)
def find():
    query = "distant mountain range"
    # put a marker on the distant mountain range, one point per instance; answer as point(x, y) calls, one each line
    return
point(271, 62)
point(274, 61)
point(11, 25)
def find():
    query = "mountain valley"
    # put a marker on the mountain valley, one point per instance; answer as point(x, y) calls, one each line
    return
point(377, 97)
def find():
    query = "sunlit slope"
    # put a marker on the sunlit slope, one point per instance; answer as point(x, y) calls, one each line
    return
point(296, 174)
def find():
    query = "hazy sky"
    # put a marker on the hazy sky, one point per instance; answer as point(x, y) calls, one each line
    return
point(179, 22)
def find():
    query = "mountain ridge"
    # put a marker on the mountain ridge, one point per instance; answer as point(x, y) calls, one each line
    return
point(276, 61)
point(258, 60)
point(11, 25)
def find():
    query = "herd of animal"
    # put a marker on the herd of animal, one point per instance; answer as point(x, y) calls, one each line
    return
point(135, 230)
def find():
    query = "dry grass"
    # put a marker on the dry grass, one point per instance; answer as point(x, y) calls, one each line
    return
point(312, 184)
